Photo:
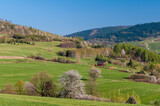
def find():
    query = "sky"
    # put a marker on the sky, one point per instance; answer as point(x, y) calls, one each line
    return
point(68, 16)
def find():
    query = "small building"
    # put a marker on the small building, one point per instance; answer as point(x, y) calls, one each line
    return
point(101, 64)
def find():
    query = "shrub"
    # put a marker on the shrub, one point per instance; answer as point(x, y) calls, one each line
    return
point(100, 58)
point(9, 89)
point(71, 85)
point(68, 44)
point(62, 53)
point(122, 98)
point(139, 77)
point(43, 84)
point(93, 98)
point(62, 60)
point(39, 57)
point(123, 60)
point(131, 100)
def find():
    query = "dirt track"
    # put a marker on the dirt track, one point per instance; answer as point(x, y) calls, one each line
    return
point(11, 57)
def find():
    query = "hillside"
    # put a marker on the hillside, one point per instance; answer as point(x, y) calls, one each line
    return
point(13, 70)
point(123, 34)
point(92, 33)
point(8, 28)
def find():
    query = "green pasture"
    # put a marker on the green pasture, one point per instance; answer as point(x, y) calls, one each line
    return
point(13, 70)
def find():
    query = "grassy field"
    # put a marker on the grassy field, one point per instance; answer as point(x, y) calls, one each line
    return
point(17, 100)
point(112, 80)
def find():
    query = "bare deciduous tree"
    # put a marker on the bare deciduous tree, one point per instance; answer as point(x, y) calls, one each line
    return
point(44, 84)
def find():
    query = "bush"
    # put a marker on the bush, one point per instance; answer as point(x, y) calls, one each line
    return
point(39, 57)
point(139, 77)
point(71, 85)
point(100, 58)
point(93, 98)
point(30, 89)
point(62, 60)
point(62, 53)
point(43, 84)
point(9, 89)
point(68, 44)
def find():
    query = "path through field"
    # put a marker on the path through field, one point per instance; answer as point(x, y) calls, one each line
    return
point(11, 57)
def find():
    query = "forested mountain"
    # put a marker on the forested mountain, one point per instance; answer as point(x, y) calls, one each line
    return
point(93, 33)
point(122, 34)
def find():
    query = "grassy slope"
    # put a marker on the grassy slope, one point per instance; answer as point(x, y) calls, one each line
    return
point(110, 82)
point(17, 100)
point(47, 49)
point(153, 44)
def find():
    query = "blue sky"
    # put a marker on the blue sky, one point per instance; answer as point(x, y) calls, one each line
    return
point(69, 16)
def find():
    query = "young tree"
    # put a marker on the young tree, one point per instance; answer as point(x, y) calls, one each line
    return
point(91, 85)
point(71, 85)
point(43, 84)
point(117, 48)
point(94, 73)
point(107, 52)
point(123, 53)
point(20, 87)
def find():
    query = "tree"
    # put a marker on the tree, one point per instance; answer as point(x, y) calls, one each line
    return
point(30, 89)
point(131, 63)
point(43, 84)
point(117, 49)
point(145, 56)
point(94, 73)
point(20, 87)
point(91, 84)
point(71, 85)
point(107, 52)
point(123, 53)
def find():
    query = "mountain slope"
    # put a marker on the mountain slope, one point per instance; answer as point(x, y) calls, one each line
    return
point(122, 34)
point(7, 28)
point(92, 33)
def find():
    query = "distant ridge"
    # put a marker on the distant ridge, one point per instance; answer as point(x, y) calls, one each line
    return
point(120, 33)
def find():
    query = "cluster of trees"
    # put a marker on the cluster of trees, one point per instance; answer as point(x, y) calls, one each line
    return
point(100, 58)
point(136, 53)
point(55, 59)
point(87, 52)
point(71, 86)
point(68, 44)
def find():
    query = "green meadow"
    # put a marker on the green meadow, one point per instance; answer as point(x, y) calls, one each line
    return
point(13, 70)
point(19, 100)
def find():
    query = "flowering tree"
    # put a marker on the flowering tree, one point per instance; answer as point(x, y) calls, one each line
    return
point(123, 53)
point(94, 73)
point(72, 86)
